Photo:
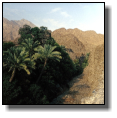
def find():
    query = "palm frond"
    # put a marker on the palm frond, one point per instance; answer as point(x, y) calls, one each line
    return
point(11, 68)
point(36, 56)
point(25, 68)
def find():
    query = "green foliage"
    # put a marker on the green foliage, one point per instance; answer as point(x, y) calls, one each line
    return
point(79, 68)
point(30, 46)
point(40, 35)
point(25, 30)
point(62, 70)
point(25, 33)
point(81, 65)
point(63, 48)
point(51, 41)
point(87, 55)
point(37, 95)
point(36, 34)
point(37, 51)
point(85, 62)
point(7, 45)
point(47, 52)
point(18, 59)
point(10, 90)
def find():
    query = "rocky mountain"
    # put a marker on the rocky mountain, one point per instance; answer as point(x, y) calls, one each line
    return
point(23, 22)
point(74, 47)
point(81, 42)
point(76, 41)
point(88, 88)
point(10, 28)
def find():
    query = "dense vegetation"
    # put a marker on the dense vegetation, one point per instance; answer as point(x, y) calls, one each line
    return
point(38, 69)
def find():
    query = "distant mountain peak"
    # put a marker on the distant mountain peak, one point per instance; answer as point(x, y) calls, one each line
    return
point(11, 28)
point(23, 19)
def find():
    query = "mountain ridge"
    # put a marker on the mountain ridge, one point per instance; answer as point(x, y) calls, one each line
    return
point(11, 28)
point(89, 38)
point(77, 42)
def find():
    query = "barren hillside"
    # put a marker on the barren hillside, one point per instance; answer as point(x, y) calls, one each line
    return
point(90, 39)
point(87, 88)
point(75, 40)
point(11, 28)
point(23, 22)
point(74, 47)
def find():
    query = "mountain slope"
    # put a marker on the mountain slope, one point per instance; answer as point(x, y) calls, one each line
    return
point(76, 41)
point(88, 39)
point(74, 47)
point(11, 28)
point(23, 22)
point(87, 88)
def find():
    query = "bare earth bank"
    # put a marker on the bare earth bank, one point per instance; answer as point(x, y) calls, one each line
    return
point(87, 88)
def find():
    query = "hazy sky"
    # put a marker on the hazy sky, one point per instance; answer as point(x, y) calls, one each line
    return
point(84, 16)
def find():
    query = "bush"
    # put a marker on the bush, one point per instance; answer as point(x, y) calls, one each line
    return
point(81, 64)
point(11, 91)
point(23, 90)
point(7, 45)
point(37, 95)
point(79, 68)
point(85, 62)
point(19, 92)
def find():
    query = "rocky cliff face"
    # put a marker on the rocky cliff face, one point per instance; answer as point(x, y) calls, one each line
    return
point(11, 28)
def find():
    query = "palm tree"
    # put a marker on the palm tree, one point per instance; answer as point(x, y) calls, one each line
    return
point(18, 59)
point(63, 47)
point(30, 45)
point(46, 52)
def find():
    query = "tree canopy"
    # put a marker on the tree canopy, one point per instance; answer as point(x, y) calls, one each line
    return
point(38, 64)
point(38, 34)
point(17, 59)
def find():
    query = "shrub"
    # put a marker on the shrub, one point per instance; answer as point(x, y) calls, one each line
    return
point(11, 91)
point(7, 45)
point(85, 62)
point(23, 90)
point(79, 68)
point(37, 95)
